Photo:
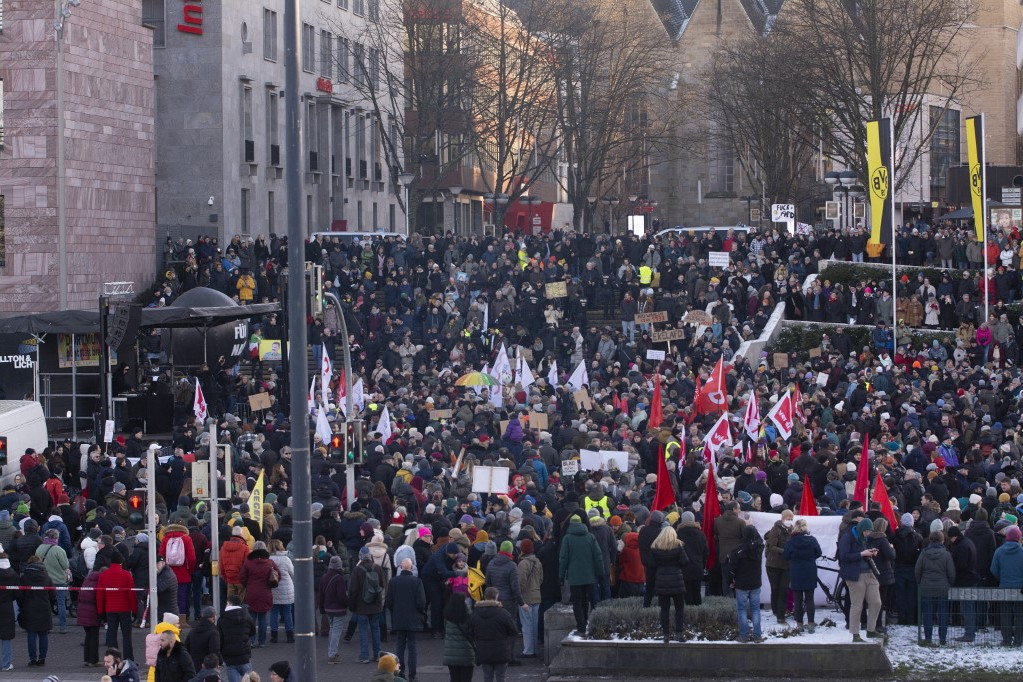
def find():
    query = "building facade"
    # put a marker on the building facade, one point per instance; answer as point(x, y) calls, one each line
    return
point(220, 118)
point(106, 231)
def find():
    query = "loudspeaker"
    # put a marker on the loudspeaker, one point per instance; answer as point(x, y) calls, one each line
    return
point(124, 324)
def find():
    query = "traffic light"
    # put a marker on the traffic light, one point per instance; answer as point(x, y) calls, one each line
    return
point(3, 450)
point(337, 449)
point(353, 439)
point(137, 500)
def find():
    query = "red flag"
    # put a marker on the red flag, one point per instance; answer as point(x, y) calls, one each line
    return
point(797, 402)
point(863, 475)
point(794, 452)
point(615, 401)
point(751, 418)
point(782, 414)
point(713, 398)
point(807, 505)
point(719, 434)
point(880, 496)
point(664, 496)
point(711, 510)
point(656, 416)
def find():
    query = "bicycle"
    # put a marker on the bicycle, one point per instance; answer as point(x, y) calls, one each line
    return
point(837, 596)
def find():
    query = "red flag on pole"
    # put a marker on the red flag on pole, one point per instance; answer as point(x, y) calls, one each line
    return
point(880, 496)
point(711, 510)
point(664, 496)
point(863, 474)
point(656, 416)
point(807, 505)
point(713, 397)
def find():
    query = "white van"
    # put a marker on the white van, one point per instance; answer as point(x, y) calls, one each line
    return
point(23, 425)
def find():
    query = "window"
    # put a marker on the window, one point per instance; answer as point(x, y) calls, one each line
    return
point(390, 218)
point(359, 7)
point(245, 211)
point(359, 64)
point(343, 4)
point(360, 146)
point(944, 148)
point(336, 140)
point(722, 165)
point(270, 221)
point(312, 140)
point(374, 10)
point(272, 127)
point(373, 66)
point(348, 147)
point(376, 211)
point(270, 35)
point(308, 48)
point(343, 59)
point(248, 134)
point(326, 53)
point(359, 221)
point(153, 16)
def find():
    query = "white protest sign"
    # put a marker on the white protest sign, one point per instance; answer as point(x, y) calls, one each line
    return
point(657, 355)
point(590, 460)
point(783, 213)
point(614, 459)
point(570, 467)
point(822, 379)
point(717, 259)
point(490, 479)
point(108, 431)
point(824, 528)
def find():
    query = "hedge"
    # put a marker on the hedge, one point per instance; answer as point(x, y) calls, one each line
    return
point(796, 337)
point(713, 620)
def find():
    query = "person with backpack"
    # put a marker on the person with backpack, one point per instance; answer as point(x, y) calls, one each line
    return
point(332, 599)
point(745, 562)
point(178, 550)
point(258, 577)
point(233, 553)
point(56, 563)
point(283, 594)
point(406, 600)
point(367, 589)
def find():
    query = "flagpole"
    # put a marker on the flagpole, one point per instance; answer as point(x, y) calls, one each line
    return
point(891, 200)
point(983, 214)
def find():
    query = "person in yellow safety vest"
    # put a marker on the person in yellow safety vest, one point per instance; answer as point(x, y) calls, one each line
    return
point(523, 258)
point(596, 498)
point(646, 274)
point(672, 449)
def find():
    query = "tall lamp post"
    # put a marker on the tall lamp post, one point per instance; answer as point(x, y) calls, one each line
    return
point(831, 180)
point(532, 201)
point(405, 180)
point(63, 9)
point(455, 191)
point(591, 201)
point(614, 219)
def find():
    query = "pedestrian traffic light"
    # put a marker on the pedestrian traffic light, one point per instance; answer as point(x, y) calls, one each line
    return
point(3, 450)
point(337, 448)
point(137, 500)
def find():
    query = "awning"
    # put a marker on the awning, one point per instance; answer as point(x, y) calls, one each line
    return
point(966, 213)
point(87, 321)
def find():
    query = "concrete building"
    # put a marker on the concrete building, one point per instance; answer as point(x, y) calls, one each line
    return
point(219, 71)
point(106, 231)
point(706, 184)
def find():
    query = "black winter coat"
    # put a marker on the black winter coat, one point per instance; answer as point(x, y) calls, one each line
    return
point(745, 562)
point(550, 588)
point(174, 665)
point(202, 640)
point(34, 605)
point(964, 557)
point(647, 535)
point(406, 600)
point(493, 630)
point(668, 565)
point(7, 577)
point(983, 539)
point(694, 542)
point(236, 627)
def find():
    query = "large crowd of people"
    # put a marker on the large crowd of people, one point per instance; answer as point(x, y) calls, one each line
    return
point(420, 555)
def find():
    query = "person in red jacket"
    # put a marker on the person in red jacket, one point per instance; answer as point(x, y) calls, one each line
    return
point(232, 556)
point(116, 602)
point(255, 577)
point(182, 562)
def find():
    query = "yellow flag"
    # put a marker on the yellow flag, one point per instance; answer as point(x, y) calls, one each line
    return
point(879, 179)
point(975, 160)
point(256, 502)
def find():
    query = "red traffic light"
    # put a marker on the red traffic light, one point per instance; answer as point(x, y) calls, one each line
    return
point(335, 441)
point(136, 501)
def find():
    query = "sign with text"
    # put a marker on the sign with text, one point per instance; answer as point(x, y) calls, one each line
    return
point(783, 213)
point(259, 401)
point(652, 318)
point(698, 317)
point(717, 259)
point(570, 467)
point(657, 355)
point(108, 431)
point(556, 290)
point(781, 360)
point(667, 335)
point(200, 479)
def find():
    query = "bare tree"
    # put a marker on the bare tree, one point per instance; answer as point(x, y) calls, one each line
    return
point(860, 60)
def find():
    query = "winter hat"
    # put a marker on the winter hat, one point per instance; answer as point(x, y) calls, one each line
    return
point(364, 552)
point(1013, 534)
point(906, 521)
point(483, 536)
point(171, 618)
point(575, 519)
point(671, 517)
point(5, 515)
point(953, 505)
point(526, 546)
point(119, 487)
point(615, 521)
point(52, 678)
point(425, 532)
point(507, 547)
point(761, 476)
point(975, 499)
point(141, 537)
point(687, 517)
point(776, 500)
point(793, 477)
point(236, 530)
point(388, 663)
point(651, 478)
point(336, 563)
point(1004, 497)
point(465, 519)
point(282, 669)
point(1011, 518)
point(936, 526)
point(864, 526)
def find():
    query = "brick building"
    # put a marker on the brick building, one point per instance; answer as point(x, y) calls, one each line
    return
point(108, 160)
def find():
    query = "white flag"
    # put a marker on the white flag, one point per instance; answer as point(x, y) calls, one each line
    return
point(384, 425)
point(579, 376)
point(322, 427)
point(326, 373)
point(486, 316)
point(751, 419)
point(526, 378)
point(199, 404)
point(502, 368)
point(497, 396)
point(312, 395)
point(358, 397)
point(552, 374)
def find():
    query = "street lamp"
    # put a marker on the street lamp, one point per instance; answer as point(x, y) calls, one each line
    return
point(614, 221)
point(455, 191)
point(531, 202)
point(405, 180)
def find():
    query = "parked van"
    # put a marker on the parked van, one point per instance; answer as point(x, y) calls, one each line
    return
point(23, 426)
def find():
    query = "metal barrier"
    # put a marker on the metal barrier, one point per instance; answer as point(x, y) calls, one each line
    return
point(972, 616)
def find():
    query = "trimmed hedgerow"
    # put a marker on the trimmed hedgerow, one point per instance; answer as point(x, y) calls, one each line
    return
point(713, 620)
point(796, 337)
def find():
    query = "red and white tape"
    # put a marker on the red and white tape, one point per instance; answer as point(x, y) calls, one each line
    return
point(73, 589)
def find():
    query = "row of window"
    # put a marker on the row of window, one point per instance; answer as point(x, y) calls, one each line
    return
point(270, 226)
point(339, 59)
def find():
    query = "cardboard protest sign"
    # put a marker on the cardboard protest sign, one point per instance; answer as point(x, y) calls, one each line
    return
point(490, 479)
point(259, 401)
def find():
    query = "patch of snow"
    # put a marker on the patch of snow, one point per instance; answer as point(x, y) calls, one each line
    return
point(903, 650)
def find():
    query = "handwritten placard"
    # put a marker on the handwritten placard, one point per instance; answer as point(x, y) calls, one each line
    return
point(667, 335)
point(781, 360)
point(652, 318)
point(582, 400)
point(717, 259)
point(538, 420)
point(440, 414)
point(259, 401)
point(698, 317)
point(657, 355)
point(570, 467)
point(556, 290)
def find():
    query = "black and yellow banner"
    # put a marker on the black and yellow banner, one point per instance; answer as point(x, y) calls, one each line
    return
point(978, 183)
point(880, 180)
